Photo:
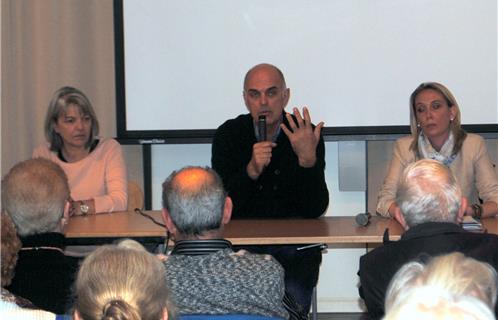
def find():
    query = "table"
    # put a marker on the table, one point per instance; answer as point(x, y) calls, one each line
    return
point(103, 228)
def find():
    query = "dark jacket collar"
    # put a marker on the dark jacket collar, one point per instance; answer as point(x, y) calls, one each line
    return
point(430, 229)
point(200, 247)
point(49, 239)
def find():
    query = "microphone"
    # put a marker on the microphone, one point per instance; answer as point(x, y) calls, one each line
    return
point(262, 128)
point(363, 219)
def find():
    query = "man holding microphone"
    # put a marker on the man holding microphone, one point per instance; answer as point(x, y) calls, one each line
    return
point(277, 176)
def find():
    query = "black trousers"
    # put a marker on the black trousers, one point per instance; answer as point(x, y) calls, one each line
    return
point(301, 268)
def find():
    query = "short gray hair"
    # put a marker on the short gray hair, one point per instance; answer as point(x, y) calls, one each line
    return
point(61, 100)
point(196, 209)
point(428, 192)
point(34, 193)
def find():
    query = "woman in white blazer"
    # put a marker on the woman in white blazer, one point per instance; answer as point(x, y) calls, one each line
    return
point(437, 134)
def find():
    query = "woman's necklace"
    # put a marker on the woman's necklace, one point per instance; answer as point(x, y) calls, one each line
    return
point(74, 156)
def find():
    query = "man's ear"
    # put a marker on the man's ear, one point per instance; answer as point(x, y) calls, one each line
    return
point(286, 97)
point(463, 206)
point(398, 216)
point(170, 225)
point(227, 210)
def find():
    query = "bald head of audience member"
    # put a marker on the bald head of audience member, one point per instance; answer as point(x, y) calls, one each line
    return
point(195, 205)
point(428, 192)
point(35, 194)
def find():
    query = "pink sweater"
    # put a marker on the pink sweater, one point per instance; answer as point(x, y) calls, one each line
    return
point(100, 176)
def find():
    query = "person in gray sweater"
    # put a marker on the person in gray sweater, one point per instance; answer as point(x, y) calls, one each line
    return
point(203, 273)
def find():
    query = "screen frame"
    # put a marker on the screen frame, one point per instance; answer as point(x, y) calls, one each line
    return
point(205, 135)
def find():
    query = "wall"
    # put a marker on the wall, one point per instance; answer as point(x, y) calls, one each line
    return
point(45, 45)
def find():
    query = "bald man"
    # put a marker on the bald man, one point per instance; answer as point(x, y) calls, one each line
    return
point(219, 280)
point(277, 176)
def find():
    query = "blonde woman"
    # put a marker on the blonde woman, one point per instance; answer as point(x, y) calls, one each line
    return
point(95, 166)
point(436, 134)
point(122, 282)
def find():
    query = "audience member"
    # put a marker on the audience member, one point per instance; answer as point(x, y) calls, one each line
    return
point(279, 174)
point(95, 167)
point(219, 280)
point(35, 194)
point(430, 205)
point(123, 282)
point(431, 303)
point(453, 272)
point(437, 134)
point(12, 306)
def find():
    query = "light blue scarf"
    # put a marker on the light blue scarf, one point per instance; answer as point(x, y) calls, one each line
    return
point(427, 151)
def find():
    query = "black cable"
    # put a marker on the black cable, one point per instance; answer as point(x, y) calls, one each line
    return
point(168, 235)
point(140, 212)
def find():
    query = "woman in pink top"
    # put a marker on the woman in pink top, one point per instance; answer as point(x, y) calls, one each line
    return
point(95, 167)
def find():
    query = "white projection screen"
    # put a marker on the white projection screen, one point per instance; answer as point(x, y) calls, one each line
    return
point(180, 63)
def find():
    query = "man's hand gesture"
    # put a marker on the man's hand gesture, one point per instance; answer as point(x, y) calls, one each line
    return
point(302, 136)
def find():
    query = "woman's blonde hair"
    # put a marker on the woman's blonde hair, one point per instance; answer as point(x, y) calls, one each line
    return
point(122, 282)
point(454, 273)
point(430, 303)
point(60, 102)
point(455, 125)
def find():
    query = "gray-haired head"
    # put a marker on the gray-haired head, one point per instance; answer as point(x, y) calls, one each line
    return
point(428, 192)
point(195, 199)
point(61, 101)
point(34, 194)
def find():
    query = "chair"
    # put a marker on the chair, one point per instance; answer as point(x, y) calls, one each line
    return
point(135, 196)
